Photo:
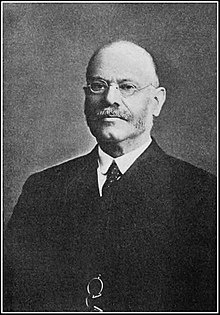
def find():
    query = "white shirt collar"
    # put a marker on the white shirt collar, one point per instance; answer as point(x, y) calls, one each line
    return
point(123, 162)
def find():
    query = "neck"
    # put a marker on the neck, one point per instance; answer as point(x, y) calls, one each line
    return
point(116, 149)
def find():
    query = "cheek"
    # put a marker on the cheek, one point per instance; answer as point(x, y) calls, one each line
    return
point(92, 103)
point(141, 109)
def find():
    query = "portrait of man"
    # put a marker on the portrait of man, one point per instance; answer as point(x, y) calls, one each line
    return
point(125, 227)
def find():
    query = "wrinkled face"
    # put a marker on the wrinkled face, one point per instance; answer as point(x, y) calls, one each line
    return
point(111, 116)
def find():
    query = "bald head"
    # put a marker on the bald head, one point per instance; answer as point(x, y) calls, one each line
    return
point(130, 53)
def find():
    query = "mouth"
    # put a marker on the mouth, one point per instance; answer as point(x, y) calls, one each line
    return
point(109, 117)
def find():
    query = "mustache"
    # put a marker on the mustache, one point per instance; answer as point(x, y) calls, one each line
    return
point(109, 112)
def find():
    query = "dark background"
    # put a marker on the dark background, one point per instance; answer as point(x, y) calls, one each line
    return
point(46, 48)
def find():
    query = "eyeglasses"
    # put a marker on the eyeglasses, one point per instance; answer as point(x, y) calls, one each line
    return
point(94, 289)
point(126, 89)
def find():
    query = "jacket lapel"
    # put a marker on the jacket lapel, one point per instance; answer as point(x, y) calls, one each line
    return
point(85, 175)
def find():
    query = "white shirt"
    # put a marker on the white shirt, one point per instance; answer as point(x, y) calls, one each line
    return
point(123, 162)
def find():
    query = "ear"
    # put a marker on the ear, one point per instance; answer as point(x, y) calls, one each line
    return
point(85, 90)
point(160, 97)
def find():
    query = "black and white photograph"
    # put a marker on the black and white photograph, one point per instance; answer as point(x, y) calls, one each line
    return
point(109, 156)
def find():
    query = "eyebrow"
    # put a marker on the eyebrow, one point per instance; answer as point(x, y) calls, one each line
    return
point(119, 80)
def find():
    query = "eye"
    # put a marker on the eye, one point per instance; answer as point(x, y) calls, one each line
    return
point(98, 86)
point(127, 87)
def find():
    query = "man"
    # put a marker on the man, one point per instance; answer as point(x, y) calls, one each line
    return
point(124, 228)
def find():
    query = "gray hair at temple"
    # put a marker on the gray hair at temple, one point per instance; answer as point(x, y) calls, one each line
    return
point(131, 48)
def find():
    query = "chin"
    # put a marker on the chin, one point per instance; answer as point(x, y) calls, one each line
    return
point(111, 136)
point(113, 133)
point(107, 138)
point(106, 135)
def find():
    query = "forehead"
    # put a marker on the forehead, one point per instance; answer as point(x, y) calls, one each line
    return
point(119, 63)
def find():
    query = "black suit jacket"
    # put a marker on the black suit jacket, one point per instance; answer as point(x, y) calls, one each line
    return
point(153, 240)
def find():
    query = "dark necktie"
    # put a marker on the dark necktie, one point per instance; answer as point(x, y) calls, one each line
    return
point(113, 174)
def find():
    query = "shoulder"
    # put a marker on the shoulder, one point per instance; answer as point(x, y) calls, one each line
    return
point(60, 172)
point(194, 190)
point(177, 170)
point(187, 175)
point(181, 178)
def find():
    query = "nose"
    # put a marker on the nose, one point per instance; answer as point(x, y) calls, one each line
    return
point(113, 95)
